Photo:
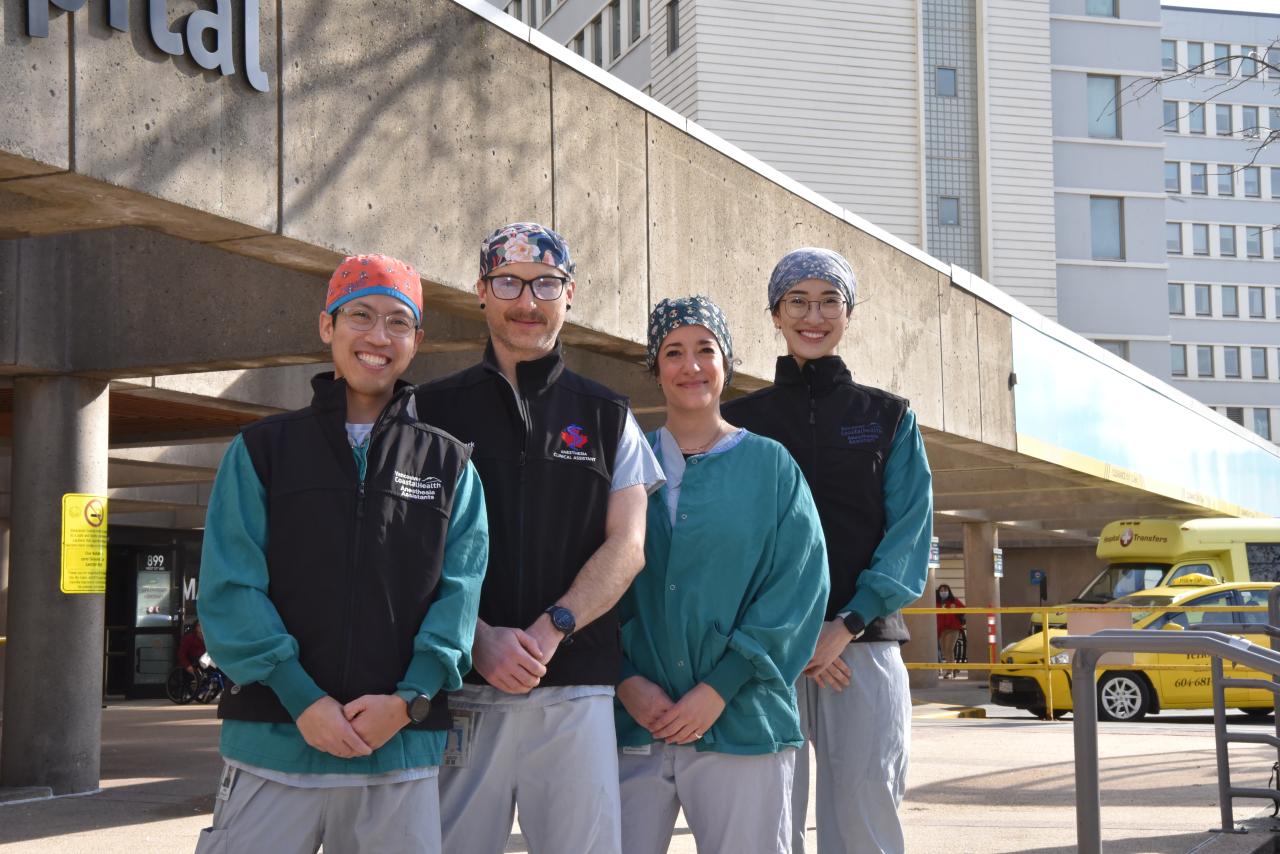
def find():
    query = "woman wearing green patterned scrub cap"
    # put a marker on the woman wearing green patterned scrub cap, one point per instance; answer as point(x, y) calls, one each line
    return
point(723, 617)
point(862, 456)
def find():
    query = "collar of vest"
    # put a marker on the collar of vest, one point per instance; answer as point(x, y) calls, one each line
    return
point(533, 377)
point(820, 375)
point(329, 394)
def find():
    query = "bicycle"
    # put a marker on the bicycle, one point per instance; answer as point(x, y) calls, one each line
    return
point(206, 685)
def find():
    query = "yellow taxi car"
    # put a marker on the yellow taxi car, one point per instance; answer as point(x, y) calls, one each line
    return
point(1133, 692)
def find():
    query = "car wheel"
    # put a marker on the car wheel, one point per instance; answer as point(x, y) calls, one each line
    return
point(1122, 697)
point(1258, 714)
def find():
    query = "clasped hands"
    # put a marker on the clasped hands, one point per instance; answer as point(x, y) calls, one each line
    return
point(680, 722)
point(356, 729)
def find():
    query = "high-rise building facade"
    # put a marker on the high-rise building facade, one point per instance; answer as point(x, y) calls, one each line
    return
point(1020, 139)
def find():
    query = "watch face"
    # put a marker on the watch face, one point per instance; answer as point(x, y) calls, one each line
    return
point(562, 620)
point(419, 708)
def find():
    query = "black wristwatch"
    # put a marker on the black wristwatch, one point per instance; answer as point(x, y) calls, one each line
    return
point(853, 622)
point(562, 619)
point(419, 708)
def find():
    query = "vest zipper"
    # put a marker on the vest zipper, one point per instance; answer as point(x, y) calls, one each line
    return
point(522, 410)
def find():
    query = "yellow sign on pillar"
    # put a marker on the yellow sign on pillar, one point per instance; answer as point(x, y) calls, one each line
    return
point(84, 543)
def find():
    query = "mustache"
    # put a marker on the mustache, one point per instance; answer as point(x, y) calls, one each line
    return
point(527, 316)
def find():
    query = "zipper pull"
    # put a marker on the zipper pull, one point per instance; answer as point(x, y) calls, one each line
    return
point(360, 499)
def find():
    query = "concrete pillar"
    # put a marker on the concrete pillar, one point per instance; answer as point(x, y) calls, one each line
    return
point(53, 692)
point(4, 598)
point(982, 588)
point(923, 645)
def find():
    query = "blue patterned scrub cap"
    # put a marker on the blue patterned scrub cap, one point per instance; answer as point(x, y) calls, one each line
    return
point(670, 314)
point(525, 241)
point(812, 263)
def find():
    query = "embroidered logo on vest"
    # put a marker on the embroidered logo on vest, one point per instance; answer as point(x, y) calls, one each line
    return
point(862, 434)
point(575, 445)
point(416, 488)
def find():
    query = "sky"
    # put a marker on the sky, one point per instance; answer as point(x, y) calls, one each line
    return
point(1272, 6)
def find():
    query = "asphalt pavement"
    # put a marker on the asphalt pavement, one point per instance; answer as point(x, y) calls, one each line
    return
point(1002, 782)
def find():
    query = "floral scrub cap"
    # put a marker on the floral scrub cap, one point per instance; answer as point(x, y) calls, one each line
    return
point(812, 263)
point(525, 241)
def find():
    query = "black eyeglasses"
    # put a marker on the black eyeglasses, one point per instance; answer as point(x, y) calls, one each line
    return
point(797, 307)
point(545, 288)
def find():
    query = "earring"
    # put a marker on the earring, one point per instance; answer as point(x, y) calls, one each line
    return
point(481, 306)
point(568, 306)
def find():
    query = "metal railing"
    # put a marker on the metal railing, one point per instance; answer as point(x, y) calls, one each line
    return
point(1212, 640)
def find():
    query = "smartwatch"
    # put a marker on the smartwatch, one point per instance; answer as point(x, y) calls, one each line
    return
point(419, 708)
point(562, 619)
point(853, 622)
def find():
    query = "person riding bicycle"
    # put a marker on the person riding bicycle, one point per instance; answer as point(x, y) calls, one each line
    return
point(191, 648)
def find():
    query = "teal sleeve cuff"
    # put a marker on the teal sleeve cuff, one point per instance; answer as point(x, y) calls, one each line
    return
point(294, 686)
point(425, 674)
point(628, 670)
point(868, 605)
point(730, 674)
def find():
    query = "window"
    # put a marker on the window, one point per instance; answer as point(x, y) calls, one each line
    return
point(1236, 414)
point(547, 6)
point(948, 210)
point(516, 9)
point(1253, 241)
point(673, 27)
point(597, 40)
point(1249, 122)
point(1275, 256)
point(1231, 362)
point(1195, 118)
point(1262, 425)
point(1199, 238)
point(533, 13)
point(615, 29)
point(1173, 238)
point(1203, 306)
point(1274, 171)
point(1274, 112)
point(1257, 302)
point(1258, 360)
point(1204, 360)
point(944, 82)
point(1230, 301)
point(1169, 55)
point(1177, 298)
point(1171, 116)
point(1222, 59)
point(1273, 59)
point(1249, 60)
point(635, 20)
point(1107, 222)
point(1100, 8)
point(1195, 55)
point(1200, 178)
point(1226, 179)
point(1178, 359)
point(1227, 241)
point(1173, 176)
point(1222, 119)
point(1252, 181)
point(580, 43)
point(1115, 348)
point(1104, 106)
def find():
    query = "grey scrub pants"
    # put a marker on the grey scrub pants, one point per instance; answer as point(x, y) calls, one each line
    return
point(734, 804)
point(256, 814)
point(557, 762)
point(861, 737)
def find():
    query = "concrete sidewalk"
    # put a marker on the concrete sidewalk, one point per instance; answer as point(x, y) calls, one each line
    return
point(999, 784)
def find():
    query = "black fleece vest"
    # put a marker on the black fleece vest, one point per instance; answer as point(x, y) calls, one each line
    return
point(353, 565)
point(545, 455)
point(840, 433)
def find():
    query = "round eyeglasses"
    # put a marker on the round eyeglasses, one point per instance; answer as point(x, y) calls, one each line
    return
point(361, 319)
point(797, 307)
point(545, 288)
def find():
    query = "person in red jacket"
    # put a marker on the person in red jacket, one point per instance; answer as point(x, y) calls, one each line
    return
point(949, 626)
point(191, 648)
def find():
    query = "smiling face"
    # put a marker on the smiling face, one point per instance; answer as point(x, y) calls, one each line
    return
point(525, 328)
point(691, 369)
point(812, 336)
point(369, 361)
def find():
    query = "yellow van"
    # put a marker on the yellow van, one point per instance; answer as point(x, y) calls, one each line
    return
point(1130, 693)
point(1146, 553)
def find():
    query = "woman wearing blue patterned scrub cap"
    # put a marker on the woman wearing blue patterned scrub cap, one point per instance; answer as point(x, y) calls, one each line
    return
point(864, 459)
point(725, 614)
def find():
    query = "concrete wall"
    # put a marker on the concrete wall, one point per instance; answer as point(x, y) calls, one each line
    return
point(1068, 568)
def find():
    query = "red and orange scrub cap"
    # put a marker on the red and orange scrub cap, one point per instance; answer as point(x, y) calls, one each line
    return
point(362, 275)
